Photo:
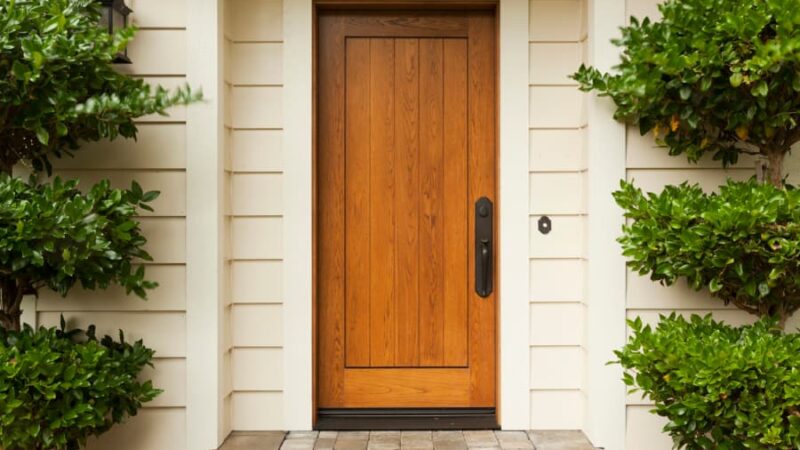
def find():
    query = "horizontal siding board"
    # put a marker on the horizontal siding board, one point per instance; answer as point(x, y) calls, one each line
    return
point(256, 194)
point(646, 294)
point(556, 280)
point(158, 146)
point(257, 150)
point(254, 20)
point(257, 107)
point(556, 193)
point(556, 150)
point(559, 324)
point(558, 410)
point(644, 430)
point(256, 411)
point(643, 8)
point(644, 153)
point(556, 107)
point(257, 281)
point(158, 13)
point(257, 238)
point(166, 239)
point(165, 332)
point(555, 20)
point(170, 295)
point(169, 375)
point(654, 180)
point(151, 429)
point(565, 240)
point(557, 368)
point(256, 63)
point(157, 52)
point(257, 369)
point(730, 316)
point(553, 63)
point(257, 325)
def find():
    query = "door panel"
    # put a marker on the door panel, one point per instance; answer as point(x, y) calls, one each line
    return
point(406, 131)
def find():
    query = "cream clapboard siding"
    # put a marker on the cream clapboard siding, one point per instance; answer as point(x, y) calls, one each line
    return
point(254, 34)
point(558, 38)
point(157, 160)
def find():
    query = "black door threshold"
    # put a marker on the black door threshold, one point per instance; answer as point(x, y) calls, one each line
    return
point(407, 419)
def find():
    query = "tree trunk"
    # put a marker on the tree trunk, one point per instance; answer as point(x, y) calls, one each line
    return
point(11, 315)
point(775, 167)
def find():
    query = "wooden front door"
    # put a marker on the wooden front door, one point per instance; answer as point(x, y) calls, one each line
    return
point(406, 147)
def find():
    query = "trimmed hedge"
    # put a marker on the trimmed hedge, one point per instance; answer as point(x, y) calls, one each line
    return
point(720, 387)
point(58, 388)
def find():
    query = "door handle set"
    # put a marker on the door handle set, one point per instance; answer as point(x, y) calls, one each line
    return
point(484, 237)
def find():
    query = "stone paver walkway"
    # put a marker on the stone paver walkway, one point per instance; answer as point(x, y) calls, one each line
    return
point(408, 440)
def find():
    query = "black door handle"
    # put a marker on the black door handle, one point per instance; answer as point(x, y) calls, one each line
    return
point(483, 246)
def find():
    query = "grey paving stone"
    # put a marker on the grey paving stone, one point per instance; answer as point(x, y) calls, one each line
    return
point(325, 443)
point(481, 439)
point(448, 435)
point(560, 440)
point(350, 444)
point(302, 435)
point(352, 440)
point(328, 434)
point(513, 440)
point(299, 444)
point(267, 440)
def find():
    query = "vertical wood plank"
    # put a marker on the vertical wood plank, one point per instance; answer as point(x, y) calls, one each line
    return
point(381, 195)
point(482, 143)
point(357, 203)
point(330, 210)
point(407, 200)
point(431, 336)
point(456, 239)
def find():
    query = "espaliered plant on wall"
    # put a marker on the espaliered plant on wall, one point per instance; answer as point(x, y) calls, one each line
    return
point(718, 78)
point(58, 90)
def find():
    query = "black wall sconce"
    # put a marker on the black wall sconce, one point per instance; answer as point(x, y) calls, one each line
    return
point(115, 17)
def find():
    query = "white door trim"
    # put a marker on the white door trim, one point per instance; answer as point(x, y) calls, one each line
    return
point(513, 187)
point(514, 220)
point(298, 182)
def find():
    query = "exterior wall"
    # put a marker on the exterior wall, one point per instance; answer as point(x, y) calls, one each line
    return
point(558, 38)
point(254, 35)
point(158, 162)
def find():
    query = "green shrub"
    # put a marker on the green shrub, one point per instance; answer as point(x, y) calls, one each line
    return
point(58, 388)
point(743, 243)
point(53, 236)
point(58, 88)
point(720, 387)
point(712, 76)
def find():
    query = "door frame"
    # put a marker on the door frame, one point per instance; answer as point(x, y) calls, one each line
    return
point(300, 290)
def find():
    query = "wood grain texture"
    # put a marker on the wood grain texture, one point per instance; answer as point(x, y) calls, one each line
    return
point(406, 145)
point(330, 211)
point(456, 205)
point(431, 93)
point(407, 200)
point(407, 387)
point(357, 202)
point(482, 143)
point(382, 246)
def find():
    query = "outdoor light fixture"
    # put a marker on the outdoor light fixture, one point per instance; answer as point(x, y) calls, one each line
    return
point(115, 17)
